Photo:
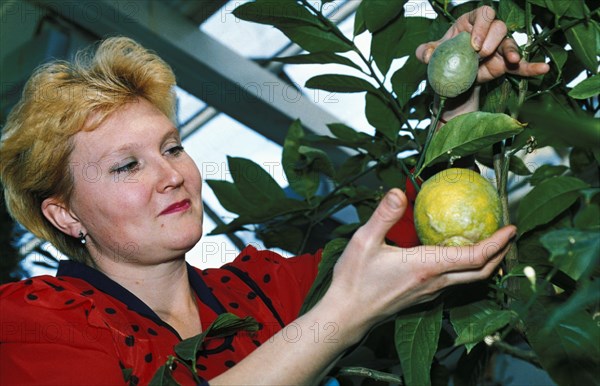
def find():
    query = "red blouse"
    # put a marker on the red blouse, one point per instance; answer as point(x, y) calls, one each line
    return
point(81, 327)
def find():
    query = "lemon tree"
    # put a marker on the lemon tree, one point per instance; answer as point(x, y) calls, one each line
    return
point(541, 308)
point(457, 207)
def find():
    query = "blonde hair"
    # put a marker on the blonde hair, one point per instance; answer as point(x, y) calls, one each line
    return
point(56, 103)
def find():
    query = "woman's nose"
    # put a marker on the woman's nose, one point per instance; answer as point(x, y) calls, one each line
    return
point(169, 176)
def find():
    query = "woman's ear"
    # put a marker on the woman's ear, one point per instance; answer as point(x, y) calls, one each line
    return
point(61, 217)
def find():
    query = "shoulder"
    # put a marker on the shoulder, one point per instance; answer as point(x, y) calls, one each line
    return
point(47, 308)
point(280, 282)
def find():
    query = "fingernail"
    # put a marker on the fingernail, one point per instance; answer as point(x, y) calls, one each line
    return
point(393, 201)
point(427, 55)
point(477, 43)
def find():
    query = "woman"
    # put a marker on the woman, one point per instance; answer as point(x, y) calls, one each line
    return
point(91, 161)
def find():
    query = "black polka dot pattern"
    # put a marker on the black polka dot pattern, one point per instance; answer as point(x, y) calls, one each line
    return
point(266, 278)
point(225, 279)
point(151, 331)
point(229, 364)
point(130, 341)
point(110, 311)
point(148, 358)
point(246, 258)
point(234, 305)
point(32, 297)
point(135, 327)
point(70, 301)
point(251, 295)
point(201, 367)
point(88, 292)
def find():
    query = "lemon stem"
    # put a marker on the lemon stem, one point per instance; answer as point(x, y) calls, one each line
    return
point(431, 130)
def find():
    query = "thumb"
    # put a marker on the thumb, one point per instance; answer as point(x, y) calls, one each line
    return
point(387, 213)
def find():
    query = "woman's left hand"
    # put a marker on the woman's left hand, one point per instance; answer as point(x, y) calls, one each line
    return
point(498, 54)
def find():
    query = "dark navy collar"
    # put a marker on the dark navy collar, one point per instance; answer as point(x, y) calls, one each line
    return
point(107, 285)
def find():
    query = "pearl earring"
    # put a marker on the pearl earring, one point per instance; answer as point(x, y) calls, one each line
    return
point(82, 237)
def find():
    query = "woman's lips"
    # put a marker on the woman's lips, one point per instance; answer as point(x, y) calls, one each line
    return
point(177, 207)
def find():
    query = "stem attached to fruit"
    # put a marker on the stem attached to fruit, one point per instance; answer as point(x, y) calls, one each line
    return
point(430, 132)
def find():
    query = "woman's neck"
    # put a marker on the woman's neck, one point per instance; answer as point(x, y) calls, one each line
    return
point(164, 287)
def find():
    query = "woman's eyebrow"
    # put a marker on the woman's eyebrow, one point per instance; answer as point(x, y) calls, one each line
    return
point(133, 145)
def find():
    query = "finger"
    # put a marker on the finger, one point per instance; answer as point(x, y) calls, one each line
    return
point(425, 50)
point(387, 213)
point(529, 69)
point(510, 50)
point(496, 34)
point(473, 257)
point(482, 273)
point(481, 19)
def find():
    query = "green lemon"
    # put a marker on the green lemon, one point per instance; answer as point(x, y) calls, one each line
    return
point(457, 207)
point(453, 66)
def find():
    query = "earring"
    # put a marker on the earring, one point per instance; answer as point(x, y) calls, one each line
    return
point(82, 237)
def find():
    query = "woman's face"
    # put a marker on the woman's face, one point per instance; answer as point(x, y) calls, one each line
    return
point(136, 192)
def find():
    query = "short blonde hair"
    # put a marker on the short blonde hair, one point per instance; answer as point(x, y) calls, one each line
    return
point(57, 101)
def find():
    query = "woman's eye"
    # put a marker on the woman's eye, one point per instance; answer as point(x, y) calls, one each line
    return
point(128, 168)
point(175, 150)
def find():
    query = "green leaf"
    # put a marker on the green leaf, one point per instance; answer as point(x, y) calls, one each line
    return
point(253, 182)
point(359, 20)
point(539, 3)
point(416, 337)
point(588, 217)
point(303, 181)
point(583, 38)
point(573, 251)
point(587, 294)
point(468, 133)
point(392, 175)
point(512, 15)
point(384, 43)
point(583, 130)
point(314, 39)
point(378, 13)
point(277, 13)
point(545, 172)
point(417, 30)
point(228, 324)
point(558, 7)
point(317, 58)
point(498, 96)
point(351, 167)
point(546, 201)
point(474, 321)
point(332, 251)
point(517, 166)
point(587, 88)
point(381, 116)
point(407, 79)
point(558, 55)
point(224, 325)
point(163, 377)
point(347, 133)
point(286, 237)
point(569, 351)
point(230, 197)
point(317, 160)
point(340, 83)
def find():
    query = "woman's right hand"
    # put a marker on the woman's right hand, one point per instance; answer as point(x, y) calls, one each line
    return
point(374, 280)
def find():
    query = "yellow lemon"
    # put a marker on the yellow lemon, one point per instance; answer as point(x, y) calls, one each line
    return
point(457, 207)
